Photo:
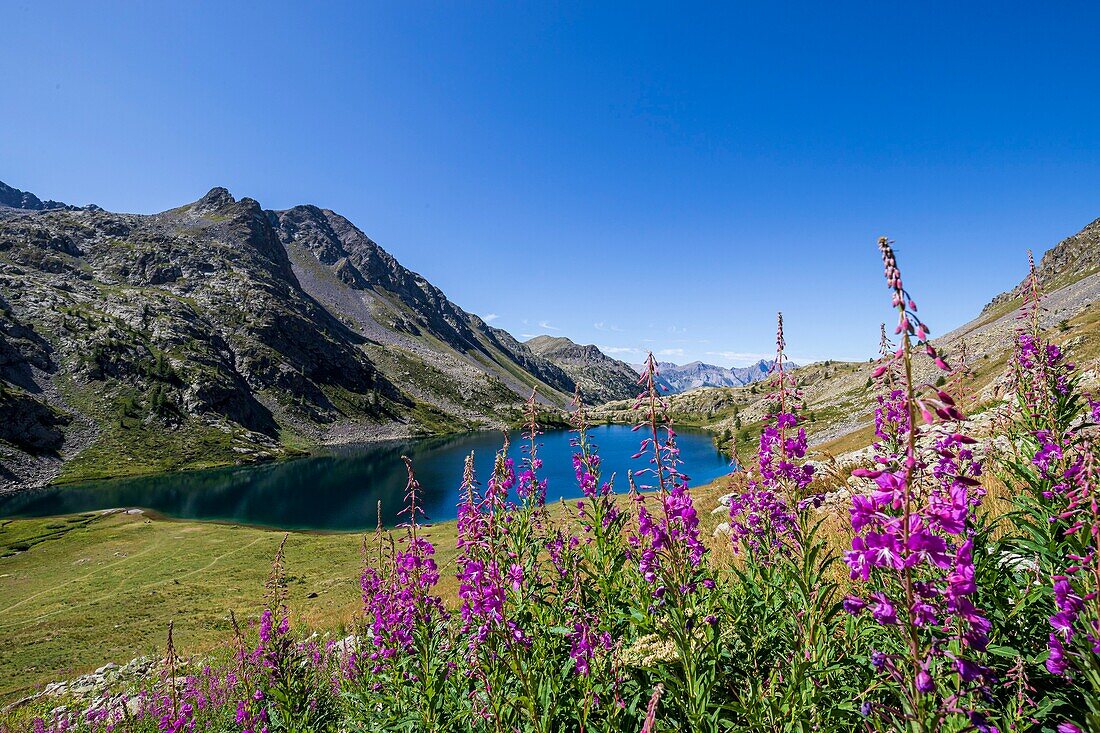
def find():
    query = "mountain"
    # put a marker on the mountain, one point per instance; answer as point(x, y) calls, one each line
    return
point(1074, 258)
point(13, 198)
point(368, 289)
point(599, 377)
point(218, 332)
point(681, 378)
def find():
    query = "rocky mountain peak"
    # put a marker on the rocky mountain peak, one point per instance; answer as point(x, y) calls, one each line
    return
point(217, 198)
point(13, 198)
point(600, 378)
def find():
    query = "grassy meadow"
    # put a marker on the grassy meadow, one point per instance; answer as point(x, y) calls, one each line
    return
point(80, 591)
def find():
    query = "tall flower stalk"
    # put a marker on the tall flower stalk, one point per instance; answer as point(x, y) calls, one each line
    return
point(503, 590)
point(763, 517)
point(784, 576)
point(675, 581)
point(1056, 464)
point(913, 545)
point(405, 621)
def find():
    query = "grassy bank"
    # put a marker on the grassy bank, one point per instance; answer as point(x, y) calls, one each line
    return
point(84, 590)
point(102, 587)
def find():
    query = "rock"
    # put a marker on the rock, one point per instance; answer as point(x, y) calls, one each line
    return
point(1017, 563)
point(16, 199)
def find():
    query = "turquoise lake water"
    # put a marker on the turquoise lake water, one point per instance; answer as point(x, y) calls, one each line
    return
point(339, 491)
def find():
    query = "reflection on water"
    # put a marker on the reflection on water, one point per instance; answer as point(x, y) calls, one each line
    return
point(340, 490)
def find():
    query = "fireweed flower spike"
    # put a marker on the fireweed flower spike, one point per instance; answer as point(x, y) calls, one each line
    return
point(761, 517)
point(913, 536)
point(775, 527)
point(675, 581)
point(1074, 503)
point(588, 585)
point(1055, 459)
point(1046, 387)
point(499, 574)
point(651, 709)
point(480, 576)
point(404, 616)
point(599, 514)
point(281, 671)
point(528, 487)
point(669, 542)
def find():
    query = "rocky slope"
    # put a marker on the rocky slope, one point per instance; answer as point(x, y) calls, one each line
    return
point(599, 377)
point(1073, 259)
point(387, 304)
point(839, 397)
point(218, 332)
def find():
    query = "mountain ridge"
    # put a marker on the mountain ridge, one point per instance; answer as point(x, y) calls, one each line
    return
point(678, 378)
point(13, 198)
point(220, 332)
point(600, 377)
point(1070, 260)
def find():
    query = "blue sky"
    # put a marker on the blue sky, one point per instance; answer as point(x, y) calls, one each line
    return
point(641, 176)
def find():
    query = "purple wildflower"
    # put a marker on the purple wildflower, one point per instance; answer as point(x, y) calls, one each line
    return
point(760, 516)
point(912, 527)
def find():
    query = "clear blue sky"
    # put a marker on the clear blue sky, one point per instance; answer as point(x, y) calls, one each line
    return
point(635, 175)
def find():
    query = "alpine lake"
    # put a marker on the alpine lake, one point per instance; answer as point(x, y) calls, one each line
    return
point(339, 490)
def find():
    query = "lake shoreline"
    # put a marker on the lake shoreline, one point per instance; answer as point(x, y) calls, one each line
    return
point(333, 439)
point(335, 487)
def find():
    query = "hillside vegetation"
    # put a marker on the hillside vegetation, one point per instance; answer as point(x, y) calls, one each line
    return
point(839, 396)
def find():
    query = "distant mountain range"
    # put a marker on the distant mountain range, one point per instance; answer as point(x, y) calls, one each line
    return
point(683, 377)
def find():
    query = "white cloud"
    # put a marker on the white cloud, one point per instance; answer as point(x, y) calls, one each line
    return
point(670, 352)
point(746, 357)
point(603, 326)
point(547, 326)
point(528, 335)
point(619, 350)
point(490, 317)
